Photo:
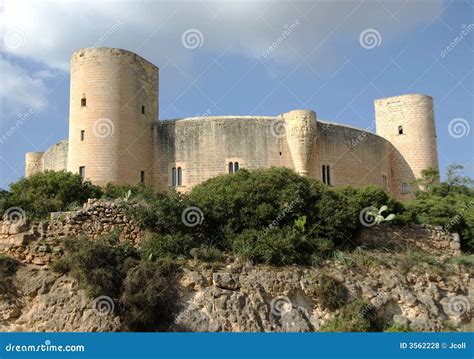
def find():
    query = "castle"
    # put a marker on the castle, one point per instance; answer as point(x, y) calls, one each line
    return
point(114, 136)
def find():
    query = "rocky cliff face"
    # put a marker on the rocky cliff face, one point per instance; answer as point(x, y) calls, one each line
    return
point(241, 297)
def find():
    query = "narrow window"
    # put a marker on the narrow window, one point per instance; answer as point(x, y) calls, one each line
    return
point(231, 167)
point(142, 176)
point(82, 135)
point(82, 171)
point(173, 177)
point(405, 188)
point(384, 182)
point(180, 177)
point(236, 166)
point(326, 174)
point(83, 102)
point(400, 130)
point(143, 110)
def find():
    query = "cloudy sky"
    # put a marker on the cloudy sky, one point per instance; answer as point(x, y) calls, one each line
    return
point(244, 58)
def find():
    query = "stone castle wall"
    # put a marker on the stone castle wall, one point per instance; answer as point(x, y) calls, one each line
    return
point(120, 90)
point(415, 149)
point(115, 136)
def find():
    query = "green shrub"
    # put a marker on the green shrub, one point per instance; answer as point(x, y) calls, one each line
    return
point(127, 192)
point(98, 266)
point(280, 246)
point(399, 328)
point(49, 191)
point(207, 253)
point(358, 316)
point(167, 245)
point(331, 293)
point(149, 298)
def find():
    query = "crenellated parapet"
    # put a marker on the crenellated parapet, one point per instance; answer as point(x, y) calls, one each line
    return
point(301, 137)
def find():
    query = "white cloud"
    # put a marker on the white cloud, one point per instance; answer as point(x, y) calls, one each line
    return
point(51, 31)
point(19, 90)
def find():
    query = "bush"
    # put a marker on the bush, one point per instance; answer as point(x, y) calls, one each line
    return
point(167, 245)
point(207, 253)
point(49, 191)
point(149, 298)
point(358, 316)
point(126, 192)
point(99, 266)
point(279, 246)
point(398, 328)
point(332, 294)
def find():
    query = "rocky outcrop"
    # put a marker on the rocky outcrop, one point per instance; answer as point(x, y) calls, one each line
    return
point(261, 299)
point(40, 300)
point(240, 297)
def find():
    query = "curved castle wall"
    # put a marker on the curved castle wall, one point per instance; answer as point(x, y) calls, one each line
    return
point(407, 121)
point(113, 106)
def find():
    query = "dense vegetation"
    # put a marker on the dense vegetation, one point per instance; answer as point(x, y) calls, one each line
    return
point(271, 216)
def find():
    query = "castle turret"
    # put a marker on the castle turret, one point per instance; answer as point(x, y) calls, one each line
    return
point(113, 106)
point(301, 136)
point(33, 163)
point(407, 121)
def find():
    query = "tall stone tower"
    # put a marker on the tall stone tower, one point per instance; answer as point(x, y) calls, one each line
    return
point(407, 121)
point(113, 109)
point(301, 130)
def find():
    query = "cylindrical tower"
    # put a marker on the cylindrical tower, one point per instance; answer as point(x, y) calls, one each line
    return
point(407, 121)
point(300, 126)
point(113, 106)
point(33, 163)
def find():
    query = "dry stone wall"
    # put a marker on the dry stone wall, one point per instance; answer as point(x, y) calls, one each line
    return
point(39, 242)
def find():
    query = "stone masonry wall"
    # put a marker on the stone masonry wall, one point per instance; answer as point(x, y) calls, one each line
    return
point(39, 242)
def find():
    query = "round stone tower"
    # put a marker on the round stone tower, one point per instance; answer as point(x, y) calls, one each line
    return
point(300, 127)
point(407, 121)
point(113, 108)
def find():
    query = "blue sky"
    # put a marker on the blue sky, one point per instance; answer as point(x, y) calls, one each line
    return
point(261, 58)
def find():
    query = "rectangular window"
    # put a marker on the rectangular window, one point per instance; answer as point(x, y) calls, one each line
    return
point(82, 135)
point(173, 176)
point(180, 176)
point(385, 182)
point(83, 102)
point(326, 174)
point(143, 110)
point(142, 176)
point(82, 171)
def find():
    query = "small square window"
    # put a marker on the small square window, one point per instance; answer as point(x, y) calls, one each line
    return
point(82, 171)
point(143, 110)
point(82, 135)
point(142, 176)
point(83, 102)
